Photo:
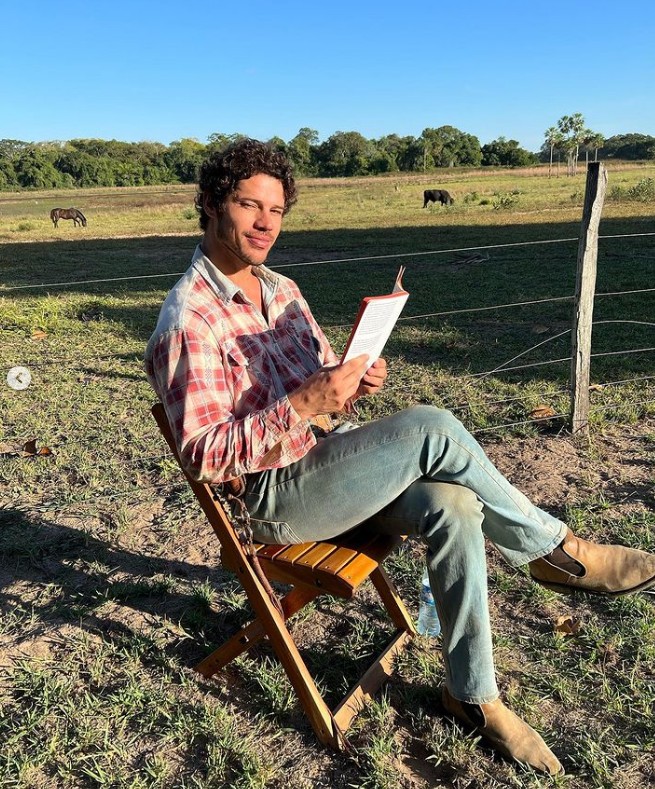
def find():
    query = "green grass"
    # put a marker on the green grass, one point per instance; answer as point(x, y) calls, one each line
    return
point(110, 585)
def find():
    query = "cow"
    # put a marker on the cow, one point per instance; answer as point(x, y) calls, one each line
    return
point(437, 196)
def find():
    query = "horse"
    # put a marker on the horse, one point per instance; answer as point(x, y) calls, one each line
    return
point(68, 213)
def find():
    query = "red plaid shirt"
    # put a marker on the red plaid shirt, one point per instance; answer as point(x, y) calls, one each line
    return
point(223, 372)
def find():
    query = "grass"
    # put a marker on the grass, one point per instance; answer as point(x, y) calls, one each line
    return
point(110, 586)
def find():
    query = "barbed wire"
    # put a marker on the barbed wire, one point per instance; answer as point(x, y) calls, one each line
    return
point(140, 460)
point(179, 487)
point(59, 360)
point(390, 256)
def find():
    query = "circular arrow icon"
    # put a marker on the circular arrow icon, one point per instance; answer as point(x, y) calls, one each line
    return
point(19, 378)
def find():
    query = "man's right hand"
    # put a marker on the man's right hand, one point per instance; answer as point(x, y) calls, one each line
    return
point(329, 389)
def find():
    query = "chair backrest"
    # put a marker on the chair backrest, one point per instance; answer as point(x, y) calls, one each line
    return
point(211, 505)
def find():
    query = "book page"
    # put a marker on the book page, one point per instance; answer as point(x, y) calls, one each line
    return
point(375, 321)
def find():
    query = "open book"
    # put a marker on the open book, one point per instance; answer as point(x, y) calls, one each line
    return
point(374, 322)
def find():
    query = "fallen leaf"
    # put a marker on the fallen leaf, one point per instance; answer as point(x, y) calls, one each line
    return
point(542, 412)
point(29, 449)
point(538, 329)
point(567, 625)
point(39, 334)
point(596, 388)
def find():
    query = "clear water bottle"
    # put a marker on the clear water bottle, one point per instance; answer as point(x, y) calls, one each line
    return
point(428, 623)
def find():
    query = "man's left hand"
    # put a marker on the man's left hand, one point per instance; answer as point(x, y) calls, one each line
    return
point(373, 379)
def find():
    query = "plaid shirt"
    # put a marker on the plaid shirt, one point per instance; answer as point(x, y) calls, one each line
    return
point(223, 371)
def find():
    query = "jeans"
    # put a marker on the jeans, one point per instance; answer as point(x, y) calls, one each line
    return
point(419, 472)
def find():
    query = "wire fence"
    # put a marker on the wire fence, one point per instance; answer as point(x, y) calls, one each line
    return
point(504, 367)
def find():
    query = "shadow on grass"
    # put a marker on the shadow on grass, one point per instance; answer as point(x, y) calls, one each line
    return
point(468, 331)
point(56, 574)
point(53, 574)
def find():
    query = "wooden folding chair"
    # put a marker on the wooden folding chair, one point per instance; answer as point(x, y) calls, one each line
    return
point(335, 567)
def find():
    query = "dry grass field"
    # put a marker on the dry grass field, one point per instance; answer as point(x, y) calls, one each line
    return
point(111, 587)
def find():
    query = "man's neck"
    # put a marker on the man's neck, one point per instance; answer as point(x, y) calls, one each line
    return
point(227, 263)
point(240, 273)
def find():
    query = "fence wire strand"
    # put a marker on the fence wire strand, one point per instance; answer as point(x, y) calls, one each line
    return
point(390, 256)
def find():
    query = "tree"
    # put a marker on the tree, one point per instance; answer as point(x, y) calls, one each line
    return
point(9, 149)
point(184, 157)
point(8, 178)
point(345, 154)
point(84, 169)
point(278, 144)
point(219, 141)
point(450, 147)
point(302, 151)
point(572, 129)
point(629, 146)
point(506, 153)
point(35, 169)
point(554, 139)
point(591, 141)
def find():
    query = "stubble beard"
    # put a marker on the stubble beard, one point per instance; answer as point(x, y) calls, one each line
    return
point(237, 251)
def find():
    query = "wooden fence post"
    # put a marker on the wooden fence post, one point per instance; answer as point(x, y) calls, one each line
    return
point(584, 296)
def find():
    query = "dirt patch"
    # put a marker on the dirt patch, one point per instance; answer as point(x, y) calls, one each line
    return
point(556, 472)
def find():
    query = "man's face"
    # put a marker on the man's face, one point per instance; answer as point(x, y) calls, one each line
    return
point(243, 233)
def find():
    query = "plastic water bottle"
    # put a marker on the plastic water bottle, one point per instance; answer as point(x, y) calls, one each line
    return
point(428, 623)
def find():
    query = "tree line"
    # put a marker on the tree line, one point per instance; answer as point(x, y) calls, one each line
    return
point(95, 162)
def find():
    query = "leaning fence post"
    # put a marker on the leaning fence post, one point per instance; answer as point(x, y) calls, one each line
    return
point(584, 296)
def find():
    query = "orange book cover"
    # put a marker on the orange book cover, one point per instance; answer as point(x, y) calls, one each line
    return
point(374, 323)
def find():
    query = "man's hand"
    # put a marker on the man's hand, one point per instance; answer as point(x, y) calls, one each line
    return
point(373, 379)
point(330, 388)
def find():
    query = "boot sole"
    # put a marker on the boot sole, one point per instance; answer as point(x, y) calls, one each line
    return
point(570, 588)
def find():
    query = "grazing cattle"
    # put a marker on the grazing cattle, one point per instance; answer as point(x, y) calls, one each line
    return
point(68, 213)
point(437, 196)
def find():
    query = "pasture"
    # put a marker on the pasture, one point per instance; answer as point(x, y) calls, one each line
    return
point(110, 584)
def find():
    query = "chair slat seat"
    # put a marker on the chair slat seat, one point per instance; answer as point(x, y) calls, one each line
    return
point(328, 565)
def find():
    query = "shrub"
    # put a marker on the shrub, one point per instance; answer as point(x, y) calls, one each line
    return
point(643, 190)
point(505, 201)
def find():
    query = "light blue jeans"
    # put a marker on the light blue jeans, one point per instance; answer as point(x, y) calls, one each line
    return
point(419, 472)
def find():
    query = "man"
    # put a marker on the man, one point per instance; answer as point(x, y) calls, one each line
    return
point(242, 369)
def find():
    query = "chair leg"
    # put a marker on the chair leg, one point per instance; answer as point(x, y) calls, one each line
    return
point(392, 601)
point(252, 633)
point(362, 692)
point(296, 669)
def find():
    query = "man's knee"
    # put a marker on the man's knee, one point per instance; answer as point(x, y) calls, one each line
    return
point(431, 417)
point(457, 502)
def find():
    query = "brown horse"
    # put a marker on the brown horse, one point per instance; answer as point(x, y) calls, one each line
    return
point(68, 213)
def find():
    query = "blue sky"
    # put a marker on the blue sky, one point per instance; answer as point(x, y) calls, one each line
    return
point(161, 71)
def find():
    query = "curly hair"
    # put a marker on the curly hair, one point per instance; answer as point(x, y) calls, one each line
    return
point(220, 173)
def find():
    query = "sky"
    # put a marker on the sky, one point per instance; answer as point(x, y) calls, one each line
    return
point(162, 71)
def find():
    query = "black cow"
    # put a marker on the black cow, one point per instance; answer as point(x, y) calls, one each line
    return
point(437, 196)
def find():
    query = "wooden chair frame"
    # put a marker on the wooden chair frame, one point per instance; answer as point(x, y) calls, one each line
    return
point(336, 567)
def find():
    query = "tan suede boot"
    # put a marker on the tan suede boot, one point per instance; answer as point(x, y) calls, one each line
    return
point(602, 569)
point(506, 732)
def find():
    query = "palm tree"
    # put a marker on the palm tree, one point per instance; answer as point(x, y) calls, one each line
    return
point(551, 135)
point(596, 142)
point(572, 129)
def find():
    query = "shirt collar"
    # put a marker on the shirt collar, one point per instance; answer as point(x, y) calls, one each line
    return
point(224, 285)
